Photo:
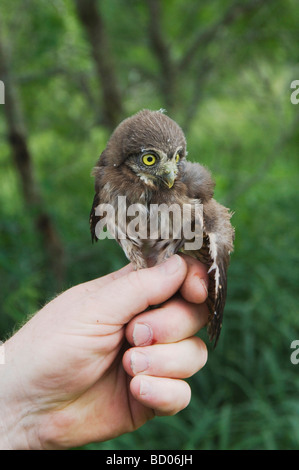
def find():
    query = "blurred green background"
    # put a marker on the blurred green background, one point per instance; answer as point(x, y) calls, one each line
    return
point(222, 70)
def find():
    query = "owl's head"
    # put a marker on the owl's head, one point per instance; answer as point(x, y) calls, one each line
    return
point(151, 145)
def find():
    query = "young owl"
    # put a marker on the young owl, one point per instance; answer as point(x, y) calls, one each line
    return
point(145, 161)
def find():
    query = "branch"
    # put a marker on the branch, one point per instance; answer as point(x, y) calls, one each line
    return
point(204, 71)
point(204, 38)
point(24, 166)
point(162, 52)
point(265, 166)
point(93, 23)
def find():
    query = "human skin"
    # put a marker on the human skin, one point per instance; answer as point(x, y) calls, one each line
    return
point(94, 363)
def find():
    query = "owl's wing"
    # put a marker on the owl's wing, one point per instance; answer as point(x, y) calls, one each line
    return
point(218, 240)
point(100, 197)
point(217, 288)
point(217, 259)
point(218, 237)
point(93, 218)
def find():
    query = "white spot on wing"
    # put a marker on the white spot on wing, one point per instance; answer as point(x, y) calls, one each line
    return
point(214, 254)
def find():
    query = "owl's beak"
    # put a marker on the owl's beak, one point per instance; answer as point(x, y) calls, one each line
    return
point(169, 176)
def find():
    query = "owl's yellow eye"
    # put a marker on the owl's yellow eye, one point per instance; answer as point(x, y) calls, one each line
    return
point(177, 158)
point(149, 159)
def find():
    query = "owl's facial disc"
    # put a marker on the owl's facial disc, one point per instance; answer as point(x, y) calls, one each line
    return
point(154, 167)
point(161, 168)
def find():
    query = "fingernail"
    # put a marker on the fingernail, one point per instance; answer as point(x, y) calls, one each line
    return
point(142, 334)
point(139, 362)
point(145, 387)
point(171, 265)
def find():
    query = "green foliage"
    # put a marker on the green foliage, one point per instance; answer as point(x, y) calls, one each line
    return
point(243, 130)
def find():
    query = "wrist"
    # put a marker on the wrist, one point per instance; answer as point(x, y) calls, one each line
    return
point(17, 428)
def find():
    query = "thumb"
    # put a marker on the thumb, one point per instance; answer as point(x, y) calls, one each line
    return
point(125, 297)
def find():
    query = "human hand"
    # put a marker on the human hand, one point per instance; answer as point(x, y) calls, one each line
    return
point(69, 376)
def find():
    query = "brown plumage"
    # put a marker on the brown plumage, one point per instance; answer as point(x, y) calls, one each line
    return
point(145, 160)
